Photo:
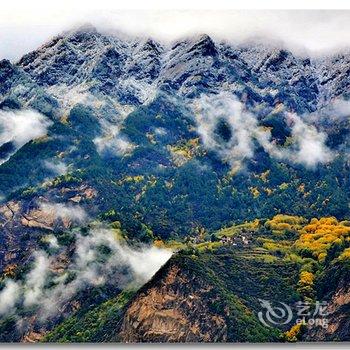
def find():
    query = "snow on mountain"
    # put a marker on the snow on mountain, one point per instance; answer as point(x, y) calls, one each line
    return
point(99, 66)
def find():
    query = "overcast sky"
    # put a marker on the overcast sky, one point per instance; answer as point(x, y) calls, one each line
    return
point(313, 30)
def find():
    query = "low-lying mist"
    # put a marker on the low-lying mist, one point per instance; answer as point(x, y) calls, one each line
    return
point(99, 257)
point(19, 127)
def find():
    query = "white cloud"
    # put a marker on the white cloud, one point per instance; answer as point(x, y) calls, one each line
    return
point(8, 297)
point(336, 111)
point(124, 266)
point(36, 280)
point(340, 108)
point(56, 167)
point(22, 126)
point(210, 109)
point(65, 211)
point(308, 144)
point(24, 29)
point(112, 141)
point(143, 262)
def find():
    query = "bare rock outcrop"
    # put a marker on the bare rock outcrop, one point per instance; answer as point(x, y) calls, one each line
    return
point(175, 309)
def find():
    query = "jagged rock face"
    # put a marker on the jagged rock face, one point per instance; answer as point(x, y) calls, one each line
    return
point(293, 78)
point(24, 222)
point(338, 328)
point(131, 71)
point(333, 76)
point(9, 75)
point(69, 58)
point(337, 310)
point(145, 63)
point(175, 309)
point(206, 298)
point(18, 89)
point(192, 64)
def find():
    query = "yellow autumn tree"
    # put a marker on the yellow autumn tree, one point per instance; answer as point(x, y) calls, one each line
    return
point(320, 234)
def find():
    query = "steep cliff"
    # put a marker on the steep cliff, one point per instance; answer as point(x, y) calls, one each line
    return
point(334, 288)
point(206, 298)
point(176, 308)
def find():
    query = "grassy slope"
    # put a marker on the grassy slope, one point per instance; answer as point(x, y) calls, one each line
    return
point(91, 325)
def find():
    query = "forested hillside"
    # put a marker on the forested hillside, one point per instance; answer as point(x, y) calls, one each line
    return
point(223, 166)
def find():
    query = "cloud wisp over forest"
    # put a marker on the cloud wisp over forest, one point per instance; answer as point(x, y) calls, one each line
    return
point(244, 134)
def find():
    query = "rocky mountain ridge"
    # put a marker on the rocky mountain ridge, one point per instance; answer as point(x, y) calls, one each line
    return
point(132, 71)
